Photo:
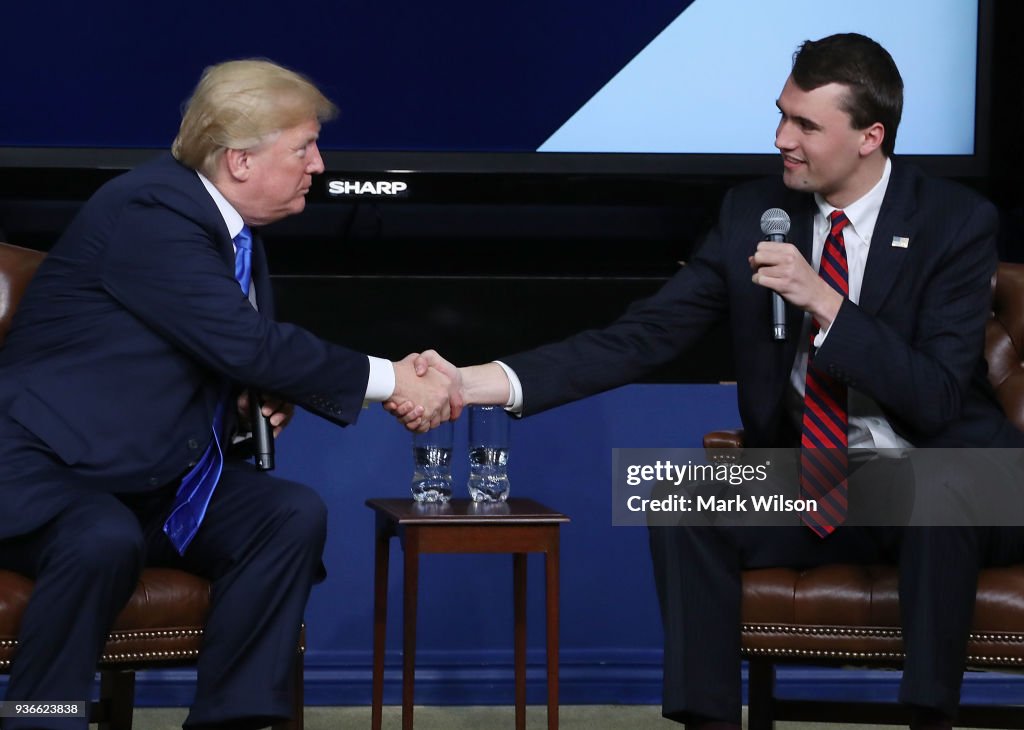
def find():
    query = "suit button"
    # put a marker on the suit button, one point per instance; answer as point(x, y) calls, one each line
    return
point(191, 464)
point(193, 444)
point(154, 482)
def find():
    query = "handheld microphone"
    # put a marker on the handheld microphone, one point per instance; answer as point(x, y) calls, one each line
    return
point(774, 227)
point(262, 432)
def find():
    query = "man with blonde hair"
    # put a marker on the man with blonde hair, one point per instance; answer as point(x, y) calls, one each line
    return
point(118, 389)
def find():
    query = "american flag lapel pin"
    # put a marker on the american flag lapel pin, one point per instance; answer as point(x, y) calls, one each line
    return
point(900, 241)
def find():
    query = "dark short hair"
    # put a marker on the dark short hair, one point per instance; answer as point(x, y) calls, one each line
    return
point(867, 69)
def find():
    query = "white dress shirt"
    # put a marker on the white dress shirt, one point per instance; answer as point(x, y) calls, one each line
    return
point(868, 427)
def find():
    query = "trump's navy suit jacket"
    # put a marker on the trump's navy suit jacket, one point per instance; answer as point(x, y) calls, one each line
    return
point(125, 340)
point(914, 342)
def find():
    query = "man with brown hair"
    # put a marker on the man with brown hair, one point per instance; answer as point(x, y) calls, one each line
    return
point(887, 289)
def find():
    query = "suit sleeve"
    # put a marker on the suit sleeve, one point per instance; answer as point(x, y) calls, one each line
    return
point(922, 379)
point(164, 268)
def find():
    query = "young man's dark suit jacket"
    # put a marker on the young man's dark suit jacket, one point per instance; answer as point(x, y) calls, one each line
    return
point(125, 340)
point(913, 343)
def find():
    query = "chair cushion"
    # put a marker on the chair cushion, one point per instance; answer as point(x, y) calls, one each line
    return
point(850, 614)
point(162, 622)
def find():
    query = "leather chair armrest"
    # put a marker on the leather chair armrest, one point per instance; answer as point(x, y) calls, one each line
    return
point(731, 439)
point(723, 445)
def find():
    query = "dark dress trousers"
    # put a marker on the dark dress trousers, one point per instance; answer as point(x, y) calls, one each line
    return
point(118, 355)
point(913, 343)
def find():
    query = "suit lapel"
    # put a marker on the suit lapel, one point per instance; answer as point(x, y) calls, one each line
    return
point(211, 217)
point(261, 276)
point(895, 220)
point(226, 247)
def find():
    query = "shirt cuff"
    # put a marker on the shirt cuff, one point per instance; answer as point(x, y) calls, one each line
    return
point(381, 384)
point(515, 388)
point(819, 339)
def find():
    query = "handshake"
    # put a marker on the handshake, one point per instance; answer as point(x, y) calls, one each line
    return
point(428, 391)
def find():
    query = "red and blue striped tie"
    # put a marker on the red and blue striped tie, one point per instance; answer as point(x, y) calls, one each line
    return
point(823, 439)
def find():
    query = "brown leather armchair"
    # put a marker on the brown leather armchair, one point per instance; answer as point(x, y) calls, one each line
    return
point(849, 614)
point(162, 625)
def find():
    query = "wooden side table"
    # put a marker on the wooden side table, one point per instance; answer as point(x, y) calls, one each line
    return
point(519, 526)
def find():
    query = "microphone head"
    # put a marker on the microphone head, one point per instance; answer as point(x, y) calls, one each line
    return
point(775, 221)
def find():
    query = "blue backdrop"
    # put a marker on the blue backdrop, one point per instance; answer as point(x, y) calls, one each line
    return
point(610, 625)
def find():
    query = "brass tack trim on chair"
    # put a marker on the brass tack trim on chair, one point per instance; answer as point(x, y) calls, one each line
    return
point(822, 631)
point(147, 655)
point(159, 634)
point(831, 632)
point(997, 638)
point(722, 458)
point(1001, 661)
point(995, 660)
point(825, 654)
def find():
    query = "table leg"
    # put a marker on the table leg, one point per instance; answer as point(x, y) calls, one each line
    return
point(551, 589)
point(519, 599)
point(412, 569)
point(380, 617)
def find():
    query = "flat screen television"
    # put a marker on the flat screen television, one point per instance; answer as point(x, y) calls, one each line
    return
point(585, 143)
point(549, 88)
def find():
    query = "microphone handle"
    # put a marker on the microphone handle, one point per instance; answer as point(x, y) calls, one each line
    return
point(778, 303)
point(262, 432)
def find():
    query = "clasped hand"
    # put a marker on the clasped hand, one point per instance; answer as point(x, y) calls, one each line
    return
point(277, 410)
point(783, 269)
point(428, 391)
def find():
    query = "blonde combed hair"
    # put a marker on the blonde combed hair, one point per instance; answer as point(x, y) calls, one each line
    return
point(238, 104)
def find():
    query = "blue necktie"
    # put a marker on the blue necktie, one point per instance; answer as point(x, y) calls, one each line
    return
point(197, 486)
point(243, 258)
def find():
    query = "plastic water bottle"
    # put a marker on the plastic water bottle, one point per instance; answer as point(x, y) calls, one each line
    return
point(432, 474)
point(432, 464)
point(488, 454)
point(488, 474)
